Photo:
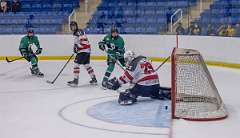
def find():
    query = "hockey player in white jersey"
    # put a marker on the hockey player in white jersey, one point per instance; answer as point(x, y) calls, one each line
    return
point(82, 48)
point(139, 71)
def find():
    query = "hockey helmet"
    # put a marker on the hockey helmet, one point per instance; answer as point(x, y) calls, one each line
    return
point(73, 26)
point(114, 31)
point(30, 32)
point(129, 56)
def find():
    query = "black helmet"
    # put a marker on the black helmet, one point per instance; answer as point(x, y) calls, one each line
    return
point(114, 29)
point(73, 26)
point(30, 31)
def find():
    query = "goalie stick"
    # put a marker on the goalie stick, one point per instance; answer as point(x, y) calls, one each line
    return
point(162, 63)
point(124, 69)
point(51, 82)
point(154, 70)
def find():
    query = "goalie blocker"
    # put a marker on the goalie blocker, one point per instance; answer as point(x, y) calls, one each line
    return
point(140, 72)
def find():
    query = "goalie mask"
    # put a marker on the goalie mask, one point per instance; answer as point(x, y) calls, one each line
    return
point(129, 56)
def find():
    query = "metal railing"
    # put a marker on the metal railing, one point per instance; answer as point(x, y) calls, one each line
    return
point(179, 19)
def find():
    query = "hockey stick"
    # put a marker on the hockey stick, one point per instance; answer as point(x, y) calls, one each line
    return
point(162, 63)
point(13, 59)
point(116, 61)
point(51, 82)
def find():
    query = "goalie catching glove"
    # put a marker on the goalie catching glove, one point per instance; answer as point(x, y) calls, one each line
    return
point(113, 84)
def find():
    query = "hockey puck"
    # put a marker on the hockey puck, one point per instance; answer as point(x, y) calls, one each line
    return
point(166, 107)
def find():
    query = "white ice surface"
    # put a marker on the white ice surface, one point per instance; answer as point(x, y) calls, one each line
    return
point(29, 107)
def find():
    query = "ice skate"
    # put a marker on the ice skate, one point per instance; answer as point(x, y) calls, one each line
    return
point(36, 72)
point(104, 85)
point(93, 81)
point(73, 83)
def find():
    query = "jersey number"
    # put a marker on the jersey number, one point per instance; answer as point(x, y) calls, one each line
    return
point(148, 69)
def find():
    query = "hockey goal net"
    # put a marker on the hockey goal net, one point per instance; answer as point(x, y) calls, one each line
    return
point(194, 94)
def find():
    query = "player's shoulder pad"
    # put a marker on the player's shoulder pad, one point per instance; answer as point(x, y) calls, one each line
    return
point(107, 38)
point(35, 37)
point(120, 37)
point(135, 62)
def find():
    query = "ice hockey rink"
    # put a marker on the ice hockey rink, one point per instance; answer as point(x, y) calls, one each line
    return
point(32, 108)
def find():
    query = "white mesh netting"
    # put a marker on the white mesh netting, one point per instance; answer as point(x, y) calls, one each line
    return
point(196, 96)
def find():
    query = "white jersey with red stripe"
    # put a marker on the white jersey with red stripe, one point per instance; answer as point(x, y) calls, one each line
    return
point(81, 40)
point(140, 72)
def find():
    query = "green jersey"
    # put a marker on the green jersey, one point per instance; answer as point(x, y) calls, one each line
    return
point(26, 43)
point(119, 45)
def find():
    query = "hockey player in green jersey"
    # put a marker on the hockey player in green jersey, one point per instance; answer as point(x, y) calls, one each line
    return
point(113, 44)
point(25, 48)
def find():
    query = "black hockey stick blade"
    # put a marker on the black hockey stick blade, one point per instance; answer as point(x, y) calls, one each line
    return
point(8, 60)
point(13, 59)
point(48, 81)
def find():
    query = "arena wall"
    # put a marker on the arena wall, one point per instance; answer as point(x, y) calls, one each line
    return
point(222, 51)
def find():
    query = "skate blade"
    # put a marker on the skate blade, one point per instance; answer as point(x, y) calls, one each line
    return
point(40, 76)
point(104, 88)
point(72, 85)
point(94, 84)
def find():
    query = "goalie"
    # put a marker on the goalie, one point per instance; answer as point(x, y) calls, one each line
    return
point(139, 71)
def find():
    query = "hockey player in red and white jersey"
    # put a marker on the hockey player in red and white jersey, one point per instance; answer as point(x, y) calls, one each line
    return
point(82, 48)
point(140, 72)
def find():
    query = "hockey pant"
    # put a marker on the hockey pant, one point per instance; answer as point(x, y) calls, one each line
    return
point(111, 65)
point(30, 57)
point(76, 70)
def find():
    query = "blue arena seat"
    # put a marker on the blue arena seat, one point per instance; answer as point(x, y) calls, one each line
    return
point(38, 13)
point(127, 13)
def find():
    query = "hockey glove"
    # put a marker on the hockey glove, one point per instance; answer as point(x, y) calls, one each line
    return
point(101, 45)
point(39, 51)
point(75, 48)
point(119, 55)
point(111, 46)
point(113, 84)
point(25, 54)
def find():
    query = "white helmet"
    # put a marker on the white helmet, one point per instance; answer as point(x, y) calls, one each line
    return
point(129, 56)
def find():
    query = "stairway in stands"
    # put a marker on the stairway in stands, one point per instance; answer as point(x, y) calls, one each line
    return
point(82, 14)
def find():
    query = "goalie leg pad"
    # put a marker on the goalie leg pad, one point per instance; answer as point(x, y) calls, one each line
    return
point(127, 99)
point(165, 93)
